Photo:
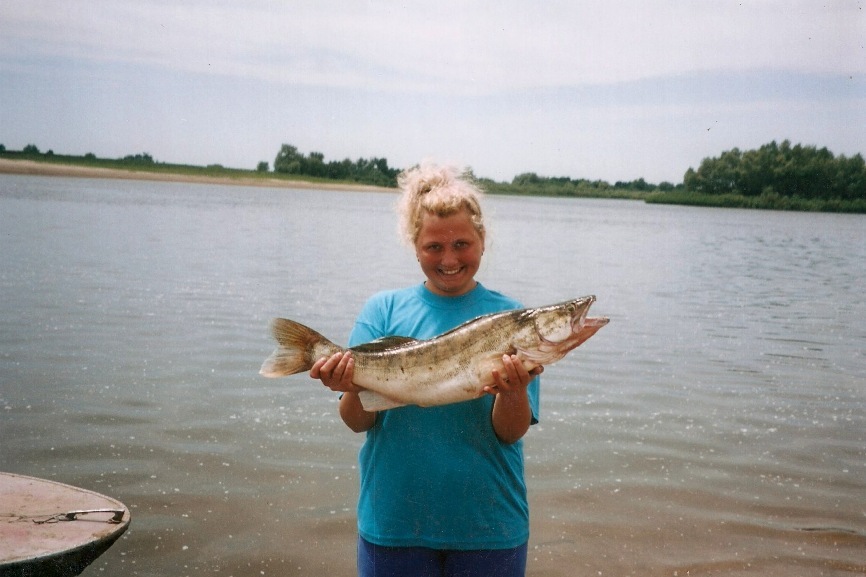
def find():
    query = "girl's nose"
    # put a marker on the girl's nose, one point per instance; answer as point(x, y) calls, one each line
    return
point(449, 256)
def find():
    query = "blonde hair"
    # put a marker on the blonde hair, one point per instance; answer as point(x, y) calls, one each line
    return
point(441, 190)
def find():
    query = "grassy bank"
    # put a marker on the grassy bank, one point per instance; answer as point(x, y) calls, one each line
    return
point(569, 191)
point(79, 165)
point(764, 202)
point(212, 173)
point(135, 167)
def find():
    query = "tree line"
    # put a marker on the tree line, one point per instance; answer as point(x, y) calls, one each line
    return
point(32, 151)
point(374, 171)
point(774, 176)
point(532, 184)
point(781, 170)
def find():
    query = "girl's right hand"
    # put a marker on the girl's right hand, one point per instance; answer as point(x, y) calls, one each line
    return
point(336, 372)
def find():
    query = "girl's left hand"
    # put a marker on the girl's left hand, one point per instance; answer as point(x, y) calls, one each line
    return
point(515, 379)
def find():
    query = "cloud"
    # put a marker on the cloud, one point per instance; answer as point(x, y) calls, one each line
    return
point(612, 90)
point(447, 46)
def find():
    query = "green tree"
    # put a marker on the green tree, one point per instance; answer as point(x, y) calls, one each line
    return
point(315, 165)
point(143, 158)
point(368, 171)
point(526, 178)
point(289, 160)
point(777, 171)
point(341, 170)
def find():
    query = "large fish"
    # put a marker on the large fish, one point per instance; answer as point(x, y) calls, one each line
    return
point(453, 367)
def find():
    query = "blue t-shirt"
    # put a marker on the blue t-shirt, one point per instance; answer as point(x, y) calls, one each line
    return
point(439, 477)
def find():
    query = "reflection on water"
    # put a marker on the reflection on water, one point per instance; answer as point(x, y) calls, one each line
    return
point(715, 427)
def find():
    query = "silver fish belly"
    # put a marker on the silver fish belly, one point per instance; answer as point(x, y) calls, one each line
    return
point(452, 367)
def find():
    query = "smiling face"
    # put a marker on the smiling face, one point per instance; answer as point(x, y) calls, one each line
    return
point(449, 249)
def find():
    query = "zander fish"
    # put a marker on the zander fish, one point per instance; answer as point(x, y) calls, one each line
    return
point(453, 367)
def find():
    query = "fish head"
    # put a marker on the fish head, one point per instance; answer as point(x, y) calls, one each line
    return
point(560, 328)
point(557, 323)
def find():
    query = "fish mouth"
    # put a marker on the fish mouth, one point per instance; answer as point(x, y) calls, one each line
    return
point(556, 344)
point(581, 309)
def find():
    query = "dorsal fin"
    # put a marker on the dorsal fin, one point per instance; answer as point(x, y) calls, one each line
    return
point(383, 344)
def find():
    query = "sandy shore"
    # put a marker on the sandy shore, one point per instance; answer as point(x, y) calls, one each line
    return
point(71, 171)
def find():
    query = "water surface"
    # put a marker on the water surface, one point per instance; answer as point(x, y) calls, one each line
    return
point(717, 426)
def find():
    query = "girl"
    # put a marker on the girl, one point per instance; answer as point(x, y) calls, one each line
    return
point(442, 488)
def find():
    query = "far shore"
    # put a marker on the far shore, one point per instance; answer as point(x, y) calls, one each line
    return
point(30, 167)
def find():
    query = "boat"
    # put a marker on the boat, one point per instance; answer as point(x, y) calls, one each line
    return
point(48, 529)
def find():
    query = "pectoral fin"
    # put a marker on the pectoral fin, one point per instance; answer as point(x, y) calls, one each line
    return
point(373, 401)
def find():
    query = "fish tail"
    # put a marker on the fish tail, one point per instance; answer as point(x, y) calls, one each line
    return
point(299, 348)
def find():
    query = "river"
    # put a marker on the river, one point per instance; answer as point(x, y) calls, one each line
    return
point(716, 426)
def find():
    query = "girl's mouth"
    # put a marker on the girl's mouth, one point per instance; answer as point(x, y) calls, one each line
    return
point(450, 272)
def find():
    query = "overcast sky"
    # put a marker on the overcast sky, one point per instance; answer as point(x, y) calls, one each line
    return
point(612, 90)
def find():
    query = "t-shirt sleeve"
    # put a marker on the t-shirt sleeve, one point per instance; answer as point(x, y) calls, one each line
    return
point(370, 324)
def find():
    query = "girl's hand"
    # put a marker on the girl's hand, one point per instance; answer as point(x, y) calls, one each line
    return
point(515, 379)
point(336, 372)
point(512, 413)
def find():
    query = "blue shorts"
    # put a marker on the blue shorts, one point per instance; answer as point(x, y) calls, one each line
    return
point(379, 561)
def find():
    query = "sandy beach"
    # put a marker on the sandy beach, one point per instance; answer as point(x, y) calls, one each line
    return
point(30, 167)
